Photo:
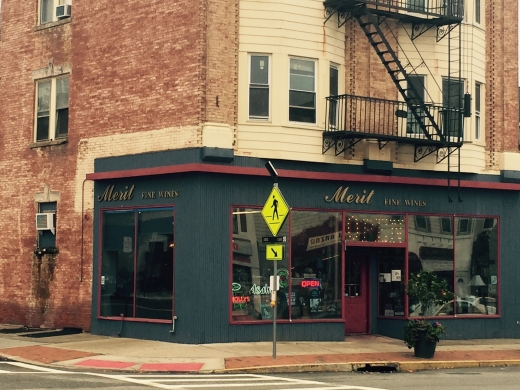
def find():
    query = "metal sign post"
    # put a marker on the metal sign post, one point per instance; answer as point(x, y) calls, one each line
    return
point(274, 212)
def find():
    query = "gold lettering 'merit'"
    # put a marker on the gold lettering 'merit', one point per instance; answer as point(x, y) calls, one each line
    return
point(343, 196)
point(111, 195)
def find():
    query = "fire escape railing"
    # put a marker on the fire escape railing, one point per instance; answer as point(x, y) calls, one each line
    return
point(351, 119)
point(443, 10)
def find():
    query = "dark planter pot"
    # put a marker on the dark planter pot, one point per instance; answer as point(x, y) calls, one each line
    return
point(424, 348)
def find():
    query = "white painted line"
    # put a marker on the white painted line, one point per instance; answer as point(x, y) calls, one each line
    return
point(38, 368)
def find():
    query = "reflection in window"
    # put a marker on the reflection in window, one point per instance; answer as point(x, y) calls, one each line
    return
point(316, 265)
point(250, 292)
point(431, 249)
point(375, 228)
point(137, 268)
point(476, 268)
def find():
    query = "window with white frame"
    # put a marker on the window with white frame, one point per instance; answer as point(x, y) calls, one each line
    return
point(259, 87)
point(333, 91)
point(52, 109)
point(478, 92)
point(302, 90)
point(48, 13)
point(477, 12)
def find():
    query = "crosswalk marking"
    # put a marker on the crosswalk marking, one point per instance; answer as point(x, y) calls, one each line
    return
point(191, 381)
point(202, 381)
point(32, 369)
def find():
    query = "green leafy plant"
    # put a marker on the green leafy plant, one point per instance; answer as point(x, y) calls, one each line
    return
point(427, 289)
point(414, 327)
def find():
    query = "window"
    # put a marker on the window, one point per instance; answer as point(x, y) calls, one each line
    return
point(250, 294)
point(375, 228)
point(416, 95)
point(446, 225)
point(52, 109)
point(333, 91)
point(468, 262)
point(477, 268)
point(302, 91)
point(415, 5)
point(477, 110)
point(452, 101)
point(422, 223)
point(137, 263)
point(47, 10)
point(477, 11)
point(47, 238)
point(259, 87)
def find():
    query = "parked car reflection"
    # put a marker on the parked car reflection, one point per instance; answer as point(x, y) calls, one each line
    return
point(477, 306)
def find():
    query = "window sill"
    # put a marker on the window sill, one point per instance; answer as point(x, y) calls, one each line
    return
point(52, 24)
point(40, 144)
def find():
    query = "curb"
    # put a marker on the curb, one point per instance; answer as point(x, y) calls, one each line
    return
point(370, 367)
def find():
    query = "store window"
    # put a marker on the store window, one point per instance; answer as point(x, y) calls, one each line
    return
point(476, 271)
point(431, 249)
point(137, 263)
point(250, 286)
point(391, 282)
point(316, 265)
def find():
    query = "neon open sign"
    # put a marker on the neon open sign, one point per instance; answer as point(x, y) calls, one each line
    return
point(310, 283)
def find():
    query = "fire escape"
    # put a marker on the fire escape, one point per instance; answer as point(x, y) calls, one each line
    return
point(413, 119)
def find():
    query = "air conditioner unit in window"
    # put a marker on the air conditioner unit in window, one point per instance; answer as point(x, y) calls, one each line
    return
point(63, 11)
point(45, 221)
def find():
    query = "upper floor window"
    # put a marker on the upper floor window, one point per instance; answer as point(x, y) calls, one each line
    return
point(53, 10)
point(416, 93)
point(477, 11)
point(259, 87)
point(333, 91)
point(52, 109)
point(477, 109)
point(302, 91)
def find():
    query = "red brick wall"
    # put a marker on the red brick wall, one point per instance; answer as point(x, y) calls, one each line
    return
point(365, 74)
point(501, 125)
point(136, 66)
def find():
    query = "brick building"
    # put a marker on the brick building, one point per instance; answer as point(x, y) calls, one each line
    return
point(136, 134)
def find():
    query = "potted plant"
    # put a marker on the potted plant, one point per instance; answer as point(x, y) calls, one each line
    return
point(426, 289)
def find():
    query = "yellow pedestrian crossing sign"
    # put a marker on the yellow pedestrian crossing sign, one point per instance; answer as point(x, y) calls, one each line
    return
point(274, 252)
point(275, 211)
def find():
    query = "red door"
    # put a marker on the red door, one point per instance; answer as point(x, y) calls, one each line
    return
point(356, 300)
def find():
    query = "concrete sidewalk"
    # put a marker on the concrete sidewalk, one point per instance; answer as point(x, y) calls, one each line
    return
point(356, 353)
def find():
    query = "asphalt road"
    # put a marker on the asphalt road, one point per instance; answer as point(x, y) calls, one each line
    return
point(20, 376)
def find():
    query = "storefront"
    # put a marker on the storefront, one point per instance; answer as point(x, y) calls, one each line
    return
point(179, 254)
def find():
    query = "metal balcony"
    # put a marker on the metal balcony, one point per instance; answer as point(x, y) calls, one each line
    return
point(351, 119)
point(432, 12)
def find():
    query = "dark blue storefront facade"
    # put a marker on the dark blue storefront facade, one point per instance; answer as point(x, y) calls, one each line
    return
point(205, 195)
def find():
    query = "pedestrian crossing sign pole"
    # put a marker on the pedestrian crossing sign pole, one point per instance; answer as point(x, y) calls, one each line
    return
point(275, 212)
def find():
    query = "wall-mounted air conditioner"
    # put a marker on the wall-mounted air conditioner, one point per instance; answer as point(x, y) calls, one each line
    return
point(45, 221)
point(63, 11)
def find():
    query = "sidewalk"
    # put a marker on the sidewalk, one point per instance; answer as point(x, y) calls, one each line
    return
point(356, 353)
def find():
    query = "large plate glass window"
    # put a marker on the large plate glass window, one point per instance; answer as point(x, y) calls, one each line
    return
point(137, 264)
point(302, 90)
point(316, 265)
point(431, 249)
point(476, 273)
point(259, 87)
point(250, 293)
